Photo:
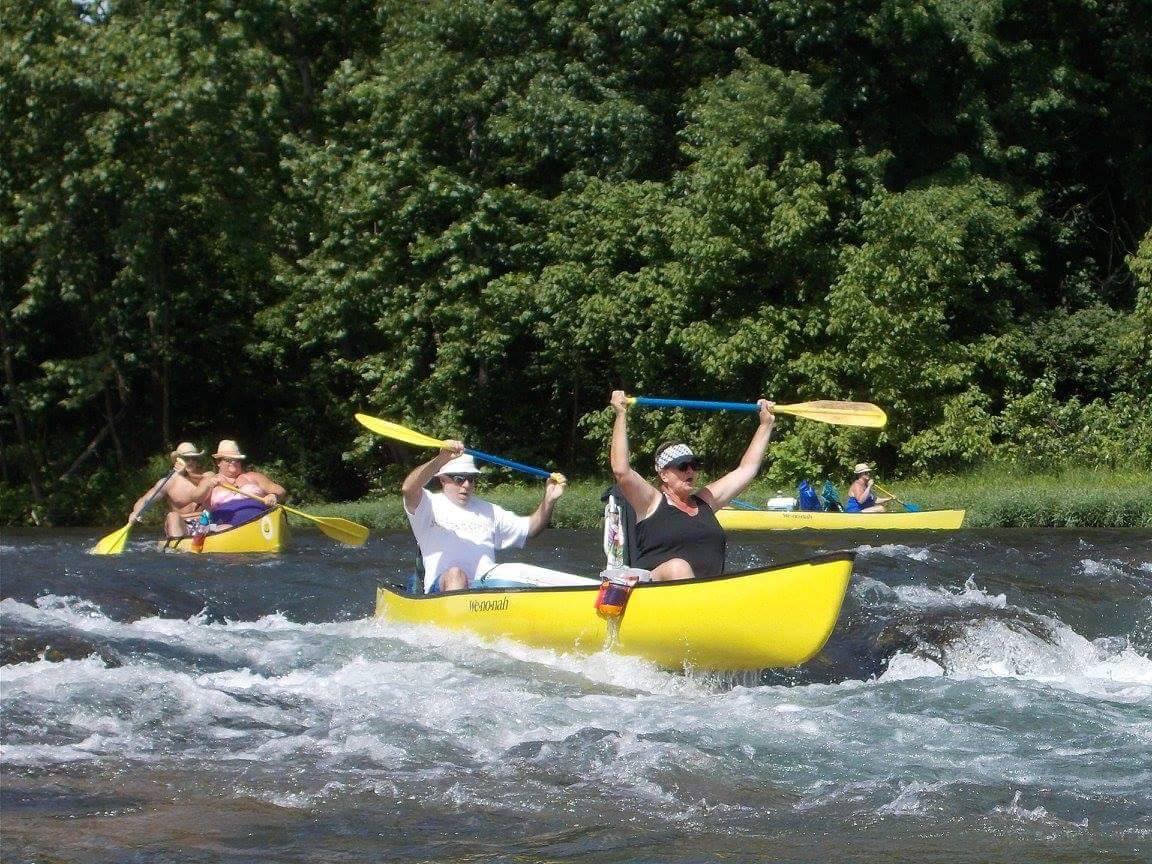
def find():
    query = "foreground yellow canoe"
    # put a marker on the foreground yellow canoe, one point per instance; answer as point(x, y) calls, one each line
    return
point(769, 618)
point(269, 533)
point(771, 520)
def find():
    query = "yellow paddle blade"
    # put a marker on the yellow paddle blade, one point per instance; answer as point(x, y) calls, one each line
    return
point(335, 527)
point(398, 432)
point(113, 544)
point(342, 530)
point(838, 413)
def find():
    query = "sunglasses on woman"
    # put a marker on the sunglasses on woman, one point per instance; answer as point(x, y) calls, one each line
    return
point(685, 465)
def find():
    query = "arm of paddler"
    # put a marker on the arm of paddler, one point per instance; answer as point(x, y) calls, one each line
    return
point(724, 489)
point(637, 491)
point(541, 518)
point(421, 475)
point(274, 493)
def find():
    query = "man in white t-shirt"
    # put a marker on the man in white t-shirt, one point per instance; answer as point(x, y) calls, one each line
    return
point(459, 534)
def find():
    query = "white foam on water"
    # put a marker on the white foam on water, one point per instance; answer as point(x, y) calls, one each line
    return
point(902, 667)
point(1018, 811)
point(923, 597)
point(894, 550)
point(912, 799)
point(406, 711)
point(1095, 569)
point(1001, 647)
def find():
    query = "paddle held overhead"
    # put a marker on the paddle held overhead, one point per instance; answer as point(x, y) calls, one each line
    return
point(418, 439)
point(824, 410)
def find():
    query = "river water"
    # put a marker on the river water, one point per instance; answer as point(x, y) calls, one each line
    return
point(986, 696)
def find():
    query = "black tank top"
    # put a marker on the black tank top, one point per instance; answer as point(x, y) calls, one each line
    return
point(671, 533)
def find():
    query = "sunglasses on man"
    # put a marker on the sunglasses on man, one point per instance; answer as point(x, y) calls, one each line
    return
point(685, 464)
point(461, 479)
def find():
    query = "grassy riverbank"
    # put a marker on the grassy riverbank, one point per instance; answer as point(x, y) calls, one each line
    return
point(1091, 499)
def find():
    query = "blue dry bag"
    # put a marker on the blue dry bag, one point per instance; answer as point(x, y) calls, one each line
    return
point(806, 497)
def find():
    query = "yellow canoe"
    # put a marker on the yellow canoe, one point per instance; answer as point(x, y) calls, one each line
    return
point(769, 618)
point(774, 520)
point(269, 533)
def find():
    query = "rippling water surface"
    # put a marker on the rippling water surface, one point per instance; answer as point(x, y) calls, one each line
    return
point(987, 696)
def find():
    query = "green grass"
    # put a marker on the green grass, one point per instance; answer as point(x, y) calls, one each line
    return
point(993, 499)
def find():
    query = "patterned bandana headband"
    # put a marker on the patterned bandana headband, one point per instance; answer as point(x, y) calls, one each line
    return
point(673, 453)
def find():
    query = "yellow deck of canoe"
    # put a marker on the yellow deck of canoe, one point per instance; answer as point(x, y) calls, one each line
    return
point(269, 533)
point(769, 618)
point(774, 520)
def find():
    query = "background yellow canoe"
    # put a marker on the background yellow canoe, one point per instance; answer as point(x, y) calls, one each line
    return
point(269, 533)
point(773, 520)
point(772, 617)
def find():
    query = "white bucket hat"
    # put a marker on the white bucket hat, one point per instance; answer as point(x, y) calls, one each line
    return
point(460, 465)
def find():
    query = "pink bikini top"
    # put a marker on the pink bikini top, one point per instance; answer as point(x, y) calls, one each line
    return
point(220, 495)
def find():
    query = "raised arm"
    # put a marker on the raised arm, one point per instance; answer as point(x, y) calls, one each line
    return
point(637, 491)
point(421, 475)
point(541, 518)
point(725, 488)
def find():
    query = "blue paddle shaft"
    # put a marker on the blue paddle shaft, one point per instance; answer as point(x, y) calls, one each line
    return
point(742, 505)
point(508, 463)
point(695, 403)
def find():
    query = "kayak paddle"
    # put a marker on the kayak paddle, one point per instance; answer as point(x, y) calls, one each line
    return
point(824, 410)
point(418, 439)
point(339, 529)
point(911, 508)
point(113, 544)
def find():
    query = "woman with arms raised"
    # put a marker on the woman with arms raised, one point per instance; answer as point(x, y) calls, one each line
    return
point(677, 533)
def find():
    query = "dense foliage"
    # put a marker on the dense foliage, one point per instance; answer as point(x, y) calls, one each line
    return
point(251, 218)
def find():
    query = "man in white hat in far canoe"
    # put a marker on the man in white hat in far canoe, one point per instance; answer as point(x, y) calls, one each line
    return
point(184, 490)
point(458, 533)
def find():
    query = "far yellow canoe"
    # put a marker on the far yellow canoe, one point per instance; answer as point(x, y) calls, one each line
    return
point(775, 520)
point(768, 618)
point(269, 533)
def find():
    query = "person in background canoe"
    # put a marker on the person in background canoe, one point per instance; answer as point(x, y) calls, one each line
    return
point(861, 498)
point(677, 533)
point(184, 490)
point(458, 533)
point(234, 508)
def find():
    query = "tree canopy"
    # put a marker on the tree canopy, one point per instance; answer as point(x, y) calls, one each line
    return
point(253, 218)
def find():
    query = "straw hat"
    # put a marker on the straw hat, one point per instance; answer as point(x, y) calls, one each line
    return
point(228, 449)
point(861, 468)
point(186, 450)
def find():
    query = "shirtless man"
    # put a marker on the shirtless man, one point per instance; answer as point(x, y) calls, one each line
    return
point(184, 489)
